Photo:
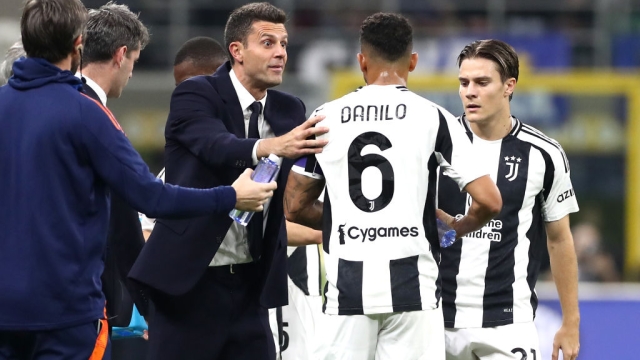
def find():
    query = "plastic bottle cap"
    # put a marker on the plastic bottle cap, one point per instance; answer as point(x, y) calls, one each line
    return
point(275, 158)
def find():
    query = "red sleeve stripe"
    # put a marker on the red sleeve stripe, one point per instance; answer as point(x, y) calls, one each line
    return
point(106, 111)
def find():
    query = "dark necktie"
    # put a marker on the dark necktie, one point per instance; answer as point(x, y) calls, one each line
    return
point(254, 228)
point(256, 109)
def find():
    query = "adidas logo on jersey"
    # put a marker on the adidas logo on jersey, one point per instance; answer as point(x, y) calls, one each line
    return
point(491, 231)
point(371, 234)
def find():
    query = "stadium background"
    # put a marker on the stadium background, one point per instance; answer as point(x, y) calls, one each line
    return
point(579, 83)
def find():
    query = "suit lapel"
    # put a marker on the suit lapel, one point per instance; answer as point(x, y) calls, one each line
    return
point(92, 94)
point(230, 98)
point(272, 114)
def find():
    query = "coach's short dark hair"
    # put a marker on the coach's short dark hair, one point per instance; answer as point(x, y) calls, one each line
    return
point(501, 53)
point(241, 19)
point(389, 35)
point(50, 27)
point(109, 28)
point(202, 51)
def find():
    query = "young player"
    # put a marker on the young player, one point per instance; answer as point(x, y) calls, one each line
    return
point(489, 276)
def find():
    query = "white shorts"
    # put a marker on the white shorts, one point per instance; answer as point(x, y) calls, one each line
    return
point(300, 321)
point(514, 341)
point(413, 335)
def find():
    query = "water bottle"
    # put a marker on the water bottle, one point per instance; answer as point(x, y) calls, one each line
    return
point(446, 234)
point(265, 172)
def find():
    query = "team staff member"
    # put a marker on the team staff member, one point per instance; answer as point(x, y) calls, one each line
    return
point(197, 56)
point(60, 151)
point(211, 298)
point(489, 276)
point(113, 41)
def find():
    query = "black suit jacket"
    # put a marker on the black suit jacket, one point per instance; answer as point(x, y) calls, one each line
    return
point(206, 147)
point(124, 243)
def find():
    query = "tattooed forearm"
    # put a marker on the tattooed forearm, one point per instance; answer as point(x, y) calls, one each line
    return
point(301, 204)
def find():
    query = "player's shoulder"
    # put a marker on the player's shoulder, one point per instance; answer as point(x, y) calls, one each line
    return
point(542, 142)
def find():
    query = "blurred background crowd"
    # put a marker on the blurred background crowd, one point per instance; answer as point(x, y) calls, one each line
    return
point(579, 66)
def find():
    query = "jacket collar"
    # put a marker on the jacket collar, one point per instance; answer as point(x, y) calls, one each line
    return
point(230, 97)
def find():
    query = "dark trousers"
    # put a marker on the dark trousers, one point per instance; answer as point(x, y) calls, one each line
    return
point(82, 342)
point(220, 318)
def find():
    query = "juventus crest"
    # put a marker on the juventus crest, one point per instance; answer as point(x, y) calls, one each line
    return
point(514, 165)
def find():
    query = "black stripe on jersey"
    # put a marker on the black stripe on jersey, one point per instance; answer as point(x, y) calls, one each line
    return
point(464, 124)
point(549, 172)
point(297, 269)
point(516, 127)
point(498, 292)
point(538, 236)
point(452, 201)
point(405, 284)
point(443, 139)
point(349, 286)
point(537, 232)
point(429, 217)
point(327, 224)
point(534, 132)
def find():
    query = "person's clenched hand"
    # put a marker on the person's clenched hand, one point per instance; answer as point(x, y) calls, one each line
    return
point(251, 195)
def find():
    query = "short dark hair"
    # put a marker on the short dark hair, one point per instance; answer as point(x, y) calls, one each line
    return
point(202, 51)
point(109, 28)
point(241, 19)
point(50, 27)
point(390, 36)
point(501, 53)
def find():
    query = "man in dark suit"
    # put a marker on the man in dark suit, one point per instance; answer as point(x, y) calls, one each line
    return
point(211, 297)
point(114, 38)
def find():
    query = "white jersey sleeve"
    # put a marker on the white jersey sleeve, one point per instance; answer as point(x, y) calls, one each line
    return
point(147, 223)
point(561, 200)
point(455, 154)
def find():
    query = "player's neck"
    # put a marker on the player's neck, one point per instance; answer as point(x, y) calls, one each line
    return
point(493, 129)
point(99, 74)
point(386, 76)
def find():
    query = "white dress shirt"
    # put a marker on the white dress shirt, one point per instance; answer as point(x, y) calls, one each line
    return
point(95, 87)
point(235, 246)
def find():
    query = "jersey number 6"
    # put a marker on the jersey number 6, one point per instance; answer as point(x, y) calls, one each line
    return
point(358, 163)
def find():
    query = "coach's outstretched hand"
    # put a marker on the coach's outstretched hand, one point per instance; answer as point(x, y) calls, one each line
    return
point(295, 143)
point(251, 195)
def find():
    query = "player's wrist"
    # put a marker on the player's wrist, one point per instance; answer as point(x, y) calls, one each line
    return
point(571, 320)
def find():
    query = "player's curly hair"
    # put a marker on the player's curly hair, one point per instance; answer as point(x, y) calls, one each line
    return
point(389, 35)
point(501, 53)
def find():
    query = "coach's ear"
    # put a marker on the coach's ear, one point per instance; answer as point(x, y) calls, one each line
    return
point(413, 61)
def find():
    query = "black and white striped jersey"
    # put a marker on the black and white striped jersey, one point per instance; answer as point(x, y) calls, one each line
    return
point(380, 166)
point(488, 277)
point(304, 268)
